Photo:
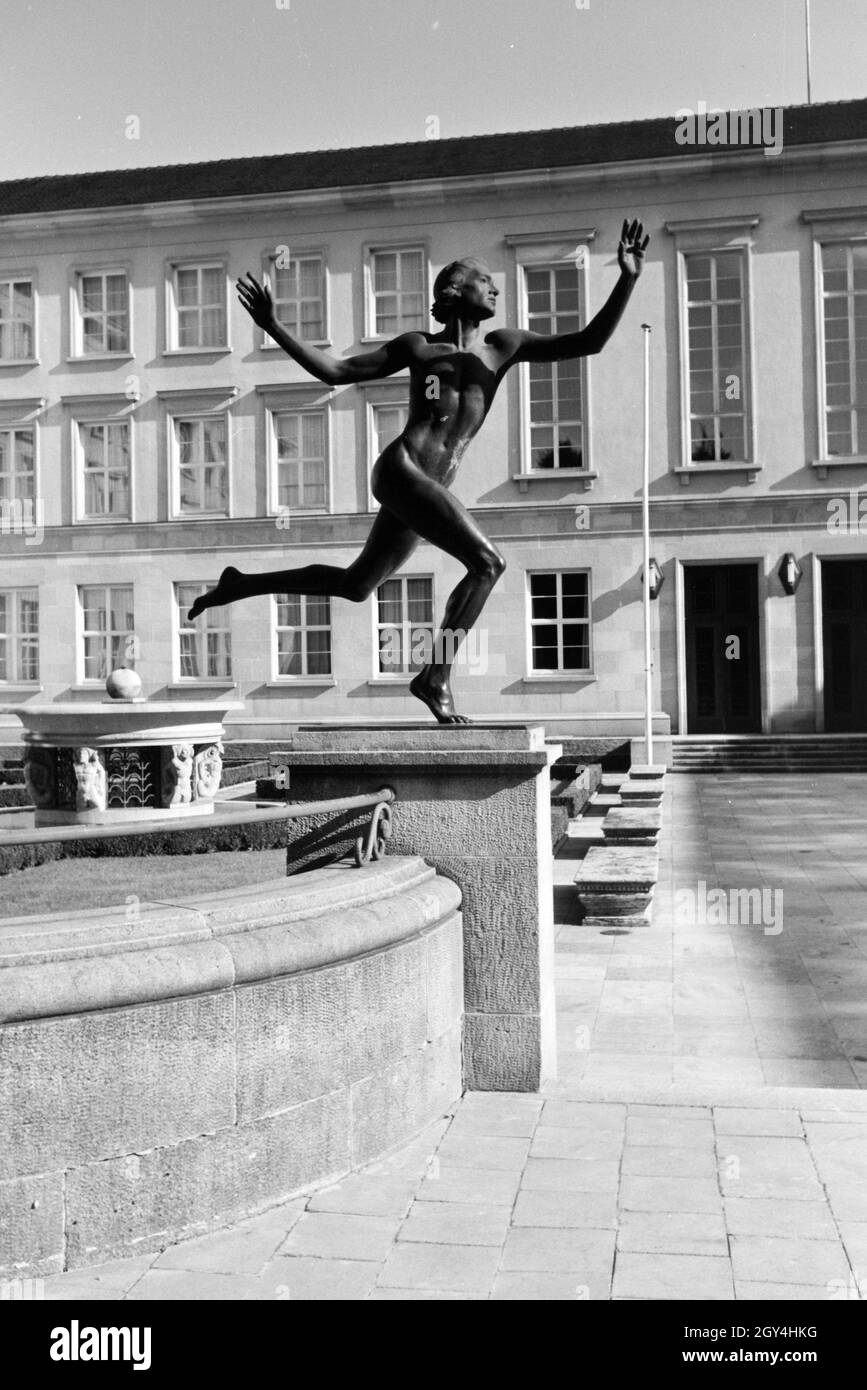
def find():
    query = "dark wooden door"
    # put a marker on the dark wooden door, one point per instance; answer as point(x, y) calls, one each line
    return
point(722, 649)
point(844, 625)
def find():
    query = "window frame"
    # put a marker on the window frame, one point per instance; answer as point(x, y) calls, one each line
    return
point(98, 410)
point(705, 236)
point(12, 277)
point(393, 392)
point(306, 678)
point(535, 251)
point(93, 682)
point(171, 346)
point(275, 507)
point(76, 315)
point(178, 679)
point(829, 226)
point(18, 681)
point(192, 403)
point(15, 424)
point(371, 250)
point(379, 677)
point(533, 674)
point(268, 262)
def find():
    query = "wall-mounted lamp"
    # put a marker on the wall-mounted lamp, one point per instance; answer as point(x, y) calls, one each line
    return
point(657, 578)
point(790, 573)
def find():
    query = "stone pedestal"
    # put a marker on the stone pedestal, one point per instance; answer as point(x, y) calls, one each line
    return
point(119, 761)
point(474, 802)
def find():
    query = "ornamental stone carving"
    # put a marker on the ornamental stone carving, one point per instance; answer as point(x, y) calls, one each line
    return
point(208, 770)
point(39, 774)
point(90, 780)
point(177, 774)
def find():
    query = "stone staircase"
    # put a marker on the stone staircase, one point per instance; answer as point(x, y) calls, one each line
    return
point(770, 753)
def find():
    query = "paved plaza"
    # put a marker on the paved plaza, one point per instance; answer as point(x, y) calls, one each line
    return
point(707, 1135)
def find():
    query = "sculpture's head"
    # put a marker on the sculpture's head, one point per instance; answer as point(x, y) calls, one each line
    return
point(467, 287)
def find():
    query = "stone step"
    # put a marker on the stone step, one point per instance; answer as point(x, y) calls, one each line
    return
point(632, 824)
point(613, 871)
point(649, 789)
point(602, 803)
point(642, 770)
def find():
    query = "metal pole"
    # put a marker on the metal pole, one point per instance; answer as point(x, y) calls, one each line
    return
point(809, 56)
point(645, 526)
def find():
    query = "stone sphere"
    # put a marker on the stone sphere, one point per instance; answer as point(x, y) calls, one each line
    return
point(123, 684)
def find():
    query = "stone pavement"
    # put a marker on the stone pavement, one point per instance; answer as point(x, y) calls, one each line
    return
point(523, 1197)
point(707, 1137)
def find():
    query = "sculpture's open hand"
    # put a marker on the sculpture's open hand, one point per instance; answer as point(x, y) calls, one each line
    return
point(257, 300)
point(630, 252)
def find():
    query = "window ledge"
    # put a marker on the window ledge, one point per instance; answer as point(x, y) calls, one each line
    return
point(842, 461)
point(696, 470)
point(538, 678)
point(202, 683)
point(19, 361)
point(32, 687)
point(393, 680)
point(301, 683)
point(124, 356)
point(201, 516)
point(113, 520)
point(271, 346)
point(197, 351)
point(544, 475)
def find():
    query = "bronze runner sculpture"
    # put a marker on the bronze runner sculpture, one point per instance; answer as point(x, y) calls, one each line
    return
point(454, 375)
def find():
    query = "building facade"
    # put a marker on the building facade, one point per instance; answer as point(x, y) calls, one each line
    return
point(150, 434)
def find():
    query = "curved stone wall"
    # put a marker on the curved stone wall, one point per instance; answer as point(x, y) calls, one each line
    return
point(165, 1075)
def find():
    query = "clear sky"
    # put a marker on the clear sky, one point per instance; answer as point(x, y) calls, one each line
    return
point(212, 79)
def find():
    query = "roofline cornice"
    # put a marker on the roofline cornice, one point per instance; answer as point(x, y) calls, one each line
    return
point(424, 192)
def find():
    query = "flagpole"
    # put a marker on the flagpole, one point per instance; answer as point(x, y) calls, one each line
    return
point(809, 54)
point(645, 526)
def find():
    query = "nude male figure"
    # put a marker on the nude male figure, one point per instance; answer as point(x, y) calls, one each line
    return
point(454, 375)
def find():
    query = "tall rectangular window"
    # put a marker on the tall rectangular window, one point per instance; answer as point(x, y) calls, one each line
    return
point(19, 635)
point(302, 463)
point(103, 312)
point(560, 621)
point(303, 630)
point(200, 306)
point(105, 463)
point(299, 296)
point(108, 628)
point(205, 645)
point(389, 421)
point(17, 465)
point(397, 290)
point(405, 624)
point(844, 304)
point(202, 464)
point(717, 356)
point(556, 393)
point(16, 320)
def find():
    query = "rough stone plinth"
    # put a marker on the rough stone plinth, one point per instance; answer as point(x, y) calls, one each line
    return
point(606, 869)
point(648, 789)
point(474, 801)
point(632, 825)
point(615, 885)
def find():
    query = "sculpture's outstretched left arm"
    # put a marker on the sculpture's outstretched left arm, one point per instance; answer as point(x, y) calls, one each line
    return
point(542, 347)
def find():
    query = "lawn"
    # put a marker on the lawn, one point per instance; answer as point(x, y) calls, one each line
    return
point(77, 884)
